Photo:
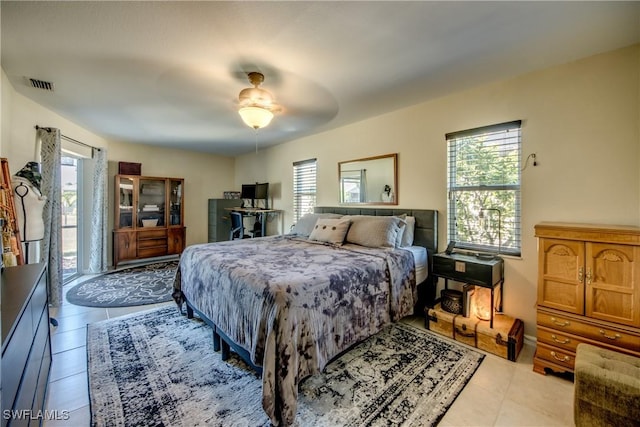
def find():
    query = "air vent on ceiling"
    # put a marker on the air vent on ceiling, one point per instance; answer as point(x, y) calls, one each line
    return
point(39, 84)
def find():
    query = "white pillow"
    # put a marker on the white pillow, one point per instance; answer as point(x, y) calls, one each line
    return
point(330, 230)
point(374, 231)
point(398, 242)
point(305, 225)
point(409, 231)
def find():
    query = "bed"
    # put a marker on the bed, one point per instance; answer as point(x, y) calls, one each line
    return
point(288, 305)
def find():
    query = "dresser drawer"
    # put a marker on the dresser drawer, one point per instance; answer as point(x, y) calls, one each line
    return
point(28, 386)
point(38, 300)
point(15, 356)
point(558, 339)
point(588, 328)
point(151, 243)
point(556, 355)
point(151, 252)
point(152, 234)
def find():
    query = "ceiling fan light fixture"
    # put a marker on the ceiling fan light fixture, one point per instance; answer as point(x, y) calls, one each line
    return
point(256, 104)
point(255, 117)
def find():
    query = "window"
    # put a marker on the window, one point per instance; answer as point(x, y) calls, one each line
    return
point(484, 188)
point(70, 170)
point(304, 188)
point(351, 185)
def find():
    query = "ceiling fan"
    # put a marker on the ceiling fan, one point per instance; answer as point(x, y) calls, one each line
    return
point(257, 105)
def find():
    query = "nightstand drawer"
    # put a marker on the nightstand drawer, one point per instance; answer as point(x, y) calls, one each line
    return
point(468, 269)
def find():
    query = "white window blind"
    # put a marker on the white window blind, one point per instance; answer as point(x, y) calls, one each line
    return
point(484, 188)
point(304, 188)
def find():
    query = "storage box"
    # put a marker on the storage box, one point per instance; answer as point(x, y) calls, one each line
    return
point(465, 329)
point(126, 168)
point(505, 339)
point(440, 321)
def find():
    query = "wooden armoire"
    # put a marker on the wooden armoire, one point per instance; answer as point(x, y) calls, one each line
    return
point(588, 291)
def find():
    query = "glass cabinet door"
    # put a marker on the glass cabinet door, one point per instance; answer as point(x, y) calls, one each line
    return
point(125, 216)
point(175, 201)
point(151, 199)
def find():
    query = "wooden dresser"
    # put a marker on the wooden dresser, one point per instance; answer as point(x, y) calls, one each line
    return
point(26, 343)
point(588, 291)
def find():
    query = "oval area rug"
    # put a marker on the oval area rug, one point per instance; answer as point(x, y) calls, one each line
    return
point(146, 284)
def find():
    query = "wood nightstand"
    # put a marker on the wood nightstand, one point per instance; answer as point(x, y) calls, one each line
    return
point(486, 273)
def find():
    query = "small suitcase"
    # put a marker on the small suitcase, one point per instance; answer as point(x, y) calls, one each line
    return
point(440, 321)
point(505, 339)
point(465, 330)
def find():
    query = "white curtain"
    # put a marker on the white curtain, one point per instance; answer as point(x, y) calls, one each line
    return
point(52, 214)
point(363, 185)
point(98, 246)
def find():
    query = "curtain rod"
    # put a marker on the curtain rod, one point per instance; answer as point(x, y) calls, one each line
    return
point(67, 138)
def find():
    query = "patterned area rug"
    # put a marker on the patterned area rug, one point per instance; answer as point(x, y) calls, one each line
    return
point(158, 368)
point(147, 284)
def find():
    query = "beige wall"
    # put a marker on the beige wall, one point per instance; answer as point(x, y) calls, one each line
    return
point(206, 176)
point(19, 117)
point(581, 119)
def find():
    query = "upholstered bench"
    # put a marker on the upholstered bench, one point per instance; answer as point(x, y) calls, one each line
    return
point(607, 388)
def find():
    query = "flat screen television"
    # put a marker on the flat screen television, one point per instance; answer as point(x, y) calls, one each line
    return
point(262, 191)
point(248, 191)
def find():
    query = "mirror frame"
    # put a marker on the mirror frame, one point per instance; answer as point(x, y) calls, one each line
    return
point(393, 156)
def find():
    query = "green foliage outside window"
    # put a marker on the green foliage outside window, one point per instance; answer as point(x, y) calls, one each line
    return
point(484, 191)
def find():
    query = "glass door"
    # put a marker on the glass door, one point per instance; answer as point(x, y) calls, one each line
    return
point(175, 199)
point(151, 198)
point(70, 168)
point(125, 199)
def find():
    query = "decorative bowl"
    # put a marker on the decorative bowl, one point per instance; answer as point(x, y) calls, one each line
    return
point(451, 301)
point(150, 222)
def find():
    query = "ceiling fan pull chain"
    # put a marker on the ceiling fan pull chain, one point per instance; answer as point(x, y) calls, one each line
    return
point(256, 134)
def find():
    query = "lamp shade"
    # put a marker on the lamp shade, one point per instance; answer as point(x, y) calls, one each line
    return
point(255, 117)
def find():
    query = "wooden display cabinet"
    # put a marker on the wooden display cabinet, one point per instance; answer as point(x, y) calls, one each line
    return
point(149, 217)
point(588, 291)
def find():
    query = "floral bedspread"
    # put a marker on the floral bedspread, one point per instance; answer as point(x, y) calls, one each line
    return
point(294, 304)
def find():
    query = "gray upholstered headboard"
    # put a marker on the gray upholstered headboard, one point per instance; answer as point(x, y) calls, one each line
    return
point(426, 231)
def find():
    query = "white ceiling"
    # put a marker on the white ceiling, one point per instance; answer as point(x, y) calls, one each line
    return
point(169, 73)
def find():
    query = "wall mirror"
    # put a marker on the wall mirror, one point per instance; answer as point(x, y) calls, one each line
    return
point(372, 180)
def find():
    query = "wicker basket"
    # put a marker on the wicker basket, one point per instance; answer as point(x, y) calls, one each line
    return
point(451, 301)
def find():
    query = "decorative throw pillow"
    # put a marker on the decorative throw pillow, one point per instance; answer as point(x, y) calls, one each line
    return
point(305, 225)
point(401, 231)
point(409, 231)
point(330, 230)
point(374, 231)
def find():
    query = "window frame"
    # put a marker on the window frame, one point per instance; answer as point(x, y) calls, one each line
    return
point(505, 222)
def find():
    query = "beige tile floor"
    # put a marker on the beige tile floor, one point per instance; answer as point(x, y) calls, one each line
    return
point(501, 393)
